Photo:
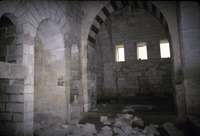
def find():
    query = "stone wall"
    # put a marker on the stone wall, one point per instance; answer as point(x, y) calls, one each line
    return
point(56, 75)
point(105, 38)
point(9, 52)
point(49, 72)
point(61, 65)
point(17, 94)
point(133, 77)
point(75, 85)
point(99, 70)
point(92, 94)
point(15, 99)
point(190, 49)
point(73, 65)
point(14, 109)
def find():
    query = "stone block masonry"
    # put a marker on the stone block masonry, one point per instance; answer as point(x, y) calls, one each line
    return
point(14, 113)
point(132, 77)
point(137, 82)
point(9, 52)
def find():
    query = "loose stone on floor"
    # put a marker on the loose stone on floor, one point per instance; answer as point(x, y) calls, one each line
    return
point(47, 125)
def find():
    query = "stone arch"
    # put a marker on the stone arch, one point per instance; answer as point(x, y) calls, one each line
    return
point(10, 29)
point(113, 6)
point(166, 14)
point(21, 103)
point(50, 71)
point(29, 14)
point(50, 33)
point(54, 14)
point(14, 20)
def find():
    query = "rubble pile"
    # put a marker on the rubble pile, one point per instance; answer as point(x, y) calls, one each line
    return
point(122, 126)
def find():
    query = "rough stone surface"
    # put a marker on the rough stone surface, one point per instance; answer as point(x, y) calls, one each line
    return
point(117, 130)
point(127, 129)
point(48, 124)
point(151, 130)
point(37, 41)
point(106, 128)
point(138, 121)
point(132, 77)
point(103, 118)
point(120, 122)
point(90, 128)
point(74, 121)
point(107, 123)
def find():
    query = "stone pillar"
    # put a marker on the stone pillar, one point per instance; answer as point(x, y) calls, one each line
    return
point(92, 94)
point(28, 119)
point(76, 106)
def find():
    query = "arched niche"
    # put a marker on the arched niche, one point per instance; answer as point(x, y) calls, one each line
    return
point(49, 70)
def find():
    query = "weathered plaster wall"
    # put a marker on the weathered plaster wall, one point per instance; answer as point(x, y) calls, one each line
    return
point(133, 77)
